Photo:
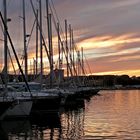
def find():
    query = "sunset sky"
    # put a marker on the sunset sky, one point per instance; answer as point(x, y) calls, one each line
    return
point(108, 30)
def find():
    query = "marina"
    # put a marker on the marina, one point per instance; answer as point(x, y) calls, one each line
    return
point(65, 70)
point(86, 119)
point(39, 92)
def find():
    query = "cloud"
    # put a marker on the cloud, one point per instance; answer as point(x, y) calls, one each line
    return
point(107, 29)
point(115, 63)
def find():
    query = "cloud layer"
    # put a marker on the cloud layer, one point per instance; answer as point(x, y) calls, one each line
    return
point(107, 29)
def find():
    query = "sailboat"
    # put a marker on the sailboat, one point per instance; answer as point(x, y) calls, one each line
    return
point(21, 106)
point(77, 90)
point(5, 102)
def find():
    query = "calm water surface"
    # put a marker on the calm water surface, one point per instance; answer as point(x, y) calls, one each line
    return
point(113, 115)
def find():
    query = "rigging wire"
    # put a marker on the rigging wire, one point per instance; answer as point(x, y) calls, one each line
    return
point(74, 44)
point(15, 54)
point(88, 64)
point(1, 59)
point(8, 51)
point(23, 57)
point(63, 39)
point(57, 18)
point(30, 35)
point(44, 42)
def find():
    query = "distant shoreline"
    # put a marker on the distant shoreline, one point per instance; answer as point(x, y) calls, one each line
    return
point(120, 88)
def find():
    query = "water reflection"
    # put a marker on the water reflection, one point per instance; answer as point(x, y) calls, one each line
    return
point(112, 116)
point(11, 130)
point(67, 123)
point(73, 124)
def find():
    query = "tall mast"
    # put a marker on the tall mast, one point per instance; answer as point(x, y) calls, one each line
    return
point(62, 56)
point(36, 71)
point(5, 45)
point(11, 43)
point(41, 46)
point(51, 51)
point(82, 57)
point(25, 46)
point(82, 53)
point(34, 67)
point(59, 59)
point(67, 47)
point(70, 48)
point(49, 26)
point(72, 39)
point(78, 63)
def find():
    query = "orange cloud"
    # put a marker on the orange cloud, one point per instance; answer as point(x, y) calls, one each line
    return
point(128, 72)
point(108, 41)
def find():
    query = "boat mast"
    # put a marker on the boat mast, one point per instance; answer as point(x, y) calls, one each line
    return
point(49, 26)
point(36, 72)
point(34, 68)
point(66, 35)
point(51, 50)
point(78, 63)
point(8, 35)
point(59, 57)
point(72, 39)
point(83, 73)
point(41, 46)
point(59, 51)
point(5, 46)
point(25, 45)
point(70, 49)
point(82, 53)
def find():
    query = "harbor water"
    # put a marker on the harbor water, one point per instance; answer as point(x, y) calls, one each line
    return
point(112, 115)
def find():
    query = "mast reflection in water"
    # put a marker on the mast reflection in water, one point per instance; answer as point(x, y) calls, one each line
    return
point(115, 115)
point(65, 123)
